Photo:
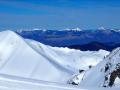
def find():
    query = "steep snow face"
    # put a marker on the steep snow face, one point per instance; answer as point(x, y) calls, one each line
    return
point(19, 59)
point(106, 73)
point(30, 59)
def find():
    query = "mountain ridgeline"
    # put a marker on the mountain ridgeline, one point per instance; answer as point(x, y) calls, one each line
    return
point(84, 40)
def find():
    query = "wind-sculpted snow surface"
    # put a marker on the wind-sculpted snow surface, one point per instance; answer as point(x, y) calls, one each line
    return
point(33, 60)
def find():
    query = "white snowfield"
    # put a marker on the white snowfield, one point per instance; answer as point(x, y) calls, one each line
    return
point(30, 65)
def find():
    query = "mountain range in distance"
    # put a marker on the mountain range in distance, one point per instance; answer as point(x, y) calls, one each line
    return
point(93, 40)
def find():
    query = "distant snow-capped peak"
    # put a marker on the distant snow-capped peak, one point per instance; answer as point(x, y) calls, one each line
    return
point(74, 29)
point(101, 28)
point(77, 29)
point(35, 29)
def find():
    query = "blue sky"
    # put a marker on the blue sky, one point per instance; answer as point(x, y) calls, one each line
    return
point(59, 14)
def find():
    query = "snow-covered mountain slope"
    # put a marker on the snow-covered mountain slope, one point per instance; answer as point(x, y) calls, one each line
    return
point(31, 59)
point(73, 59)
point(27, 64)
point(106, 73)
point(19, 59)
